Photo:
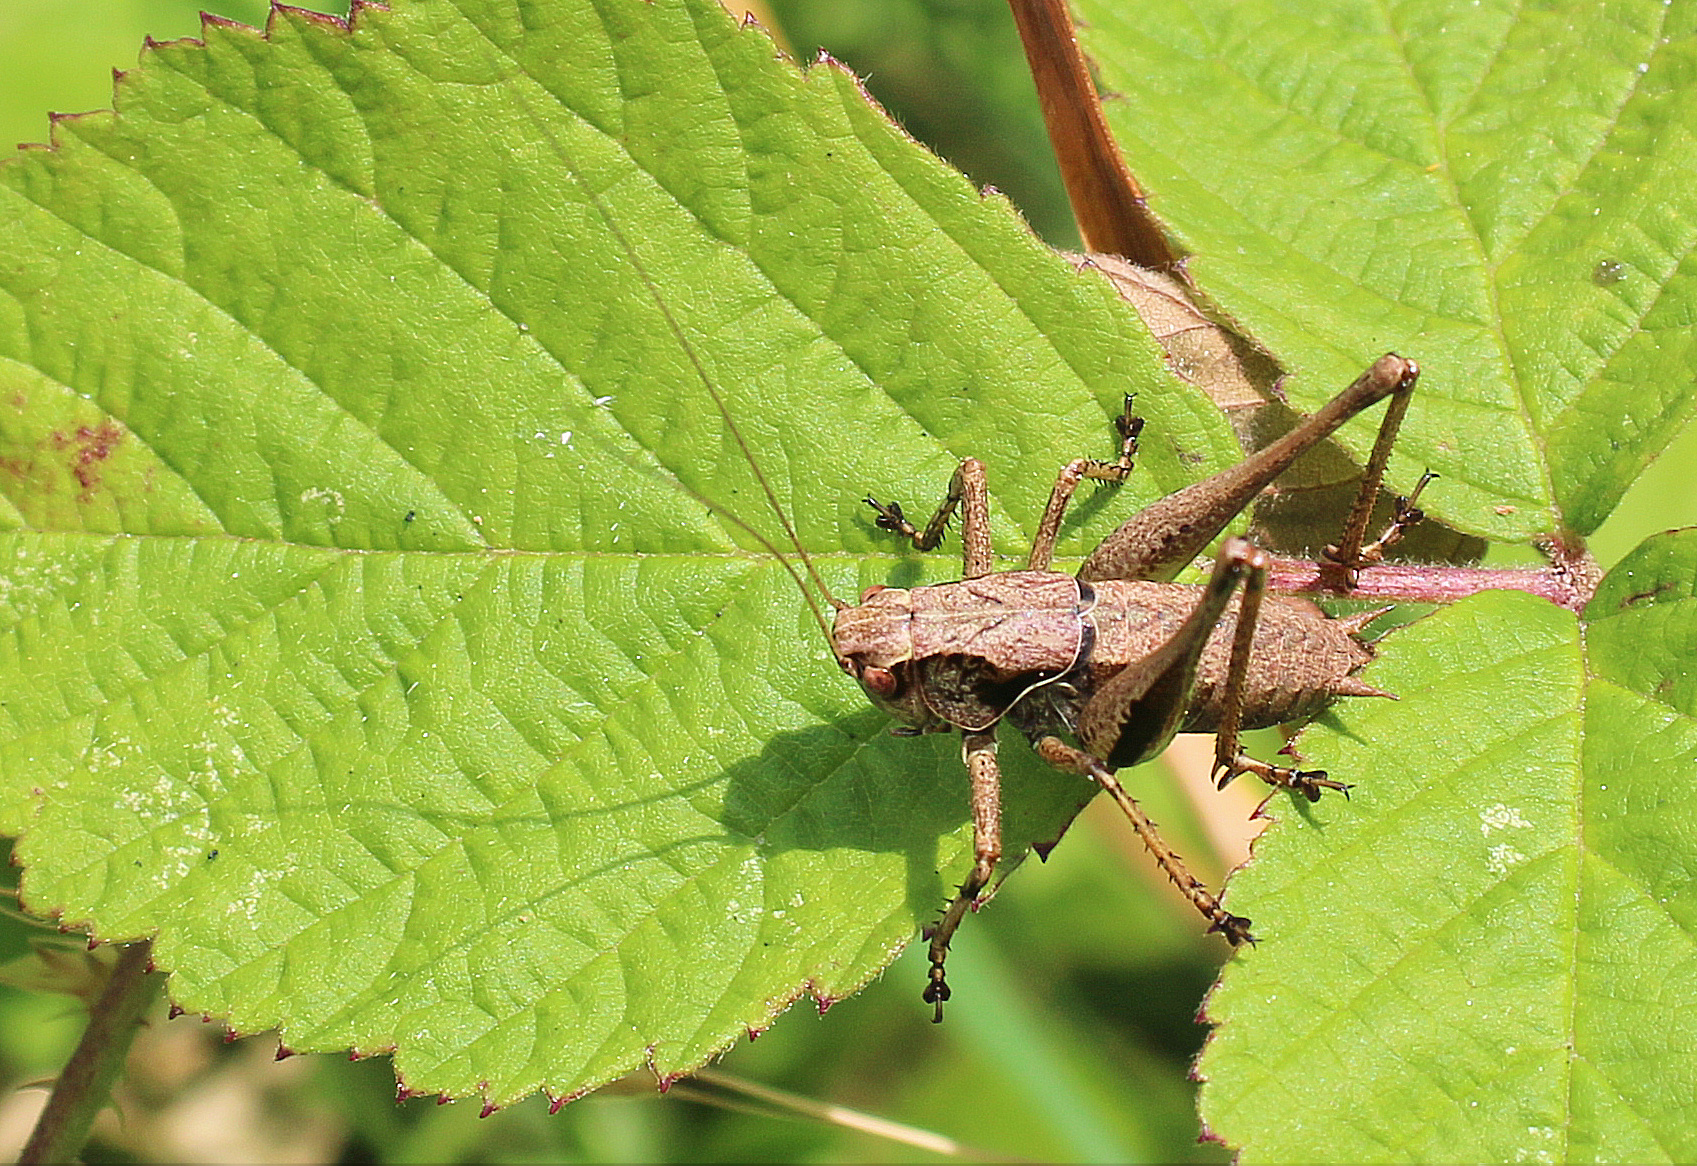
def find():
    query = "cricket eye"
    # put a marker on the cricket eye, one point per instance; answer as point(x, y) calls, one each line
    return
point(871, 591)
point(879, 681)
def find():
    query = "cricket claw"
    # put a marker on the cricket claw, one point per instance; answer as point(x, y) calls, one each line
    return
point(890, 517)
point(936, 992)
point(1234, 927)
point(1128, 423)
point(1309, 783)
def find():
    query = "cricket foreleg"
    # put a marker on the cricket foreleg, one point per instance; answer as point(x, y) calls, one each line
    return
point(1063, 756)
point(1043, 546)
point(979, 749)
point(968, 493)
point(1229, 759)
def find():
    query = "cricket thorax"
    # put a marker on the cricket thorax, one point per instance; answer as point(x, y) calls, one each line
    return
point(960, 655)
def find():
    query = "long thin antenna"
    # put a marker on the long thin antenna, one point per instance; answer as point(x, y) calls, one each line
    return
point(695, 361)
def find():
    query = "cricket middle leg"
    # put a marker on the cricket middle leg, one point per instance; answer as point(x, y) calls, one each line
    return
point(979, 749)
point(1115, 472)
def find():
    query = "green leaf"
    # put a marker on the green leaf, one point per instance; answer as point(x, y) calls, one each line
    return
point(1507, 904)
point(1500, 192)
point(378, 635)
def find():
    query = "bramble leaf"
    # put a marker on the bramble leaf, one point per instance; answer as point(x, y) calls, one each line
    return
point(1498, 192)
point(1506, 904)
point(379, 637)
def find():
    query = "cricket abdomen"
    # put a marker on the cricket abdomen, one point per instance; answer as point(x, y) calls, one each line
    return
point(1300, 662)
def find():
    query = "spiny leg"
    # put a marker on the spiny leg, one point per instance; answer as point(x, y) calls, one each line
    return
point(1349, 556)
point(1064, 756)
point(979, 749)
point(968, 492)
point(1160, 541)
point(1132, 715)
point(1129, 426)
point(1229, 759)
point(1346, 553)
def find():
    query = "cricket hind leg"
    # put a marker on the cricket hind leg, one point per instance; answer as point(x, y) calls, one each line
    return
point(1129, 426)
point(979, 750)
point(1063, 756)
point(1230, 761)
point(1161, 540)
point(969, 493)
point(1347, 556)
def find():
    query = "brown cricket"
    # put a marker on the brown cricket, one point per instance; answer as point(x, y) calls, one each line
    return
point(1119, 658)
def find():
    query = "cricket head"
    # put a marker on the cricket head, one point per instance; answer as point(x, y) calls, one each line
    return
point(873, 643)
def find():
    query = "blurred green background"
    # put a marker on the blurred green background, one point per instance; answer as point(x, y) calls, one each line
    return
point(1073, 1029)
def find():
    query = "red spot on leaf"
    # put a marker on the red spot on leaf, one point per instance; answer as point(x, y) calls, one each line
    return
point(90, 445)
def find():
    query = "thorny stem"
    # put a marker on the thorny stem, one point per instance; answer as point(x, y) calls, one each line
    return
point(85, 1084)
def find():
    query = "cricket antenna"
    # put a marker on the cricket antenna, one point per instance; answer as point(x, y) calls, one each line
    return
point(747, 453)
point(595, 198)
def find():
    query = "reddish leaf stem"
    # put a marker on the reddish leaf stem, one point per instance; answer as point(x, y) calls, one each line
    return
point(1112, 214)
point(1406, 583)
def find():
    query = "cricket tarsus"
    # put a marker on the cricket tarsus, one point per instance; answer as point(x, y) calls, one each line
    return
point(968, 494)
point(1307, 782)
point(1130, 427)
point(1086, 657)
point(1342, 559)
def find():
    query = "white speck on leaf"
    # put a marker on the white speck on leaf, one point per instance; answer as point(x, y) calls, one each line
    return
point(1501, 817)
point(1503, 858)
point(337, 506)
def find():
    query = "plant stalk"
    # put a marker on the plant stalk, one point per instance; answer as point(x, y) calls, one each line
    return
point(1405, 583)
point(85, 1084)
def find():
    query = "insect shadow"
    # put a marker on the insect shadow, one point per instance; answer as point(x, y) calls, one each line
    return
point(880, 794)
